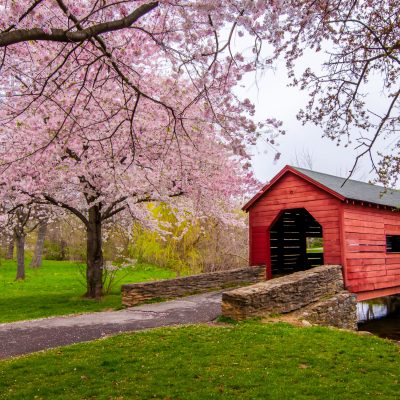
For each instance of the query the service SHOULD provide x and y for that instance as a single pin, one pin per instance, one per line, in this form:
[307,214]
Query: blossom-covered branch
[15,36]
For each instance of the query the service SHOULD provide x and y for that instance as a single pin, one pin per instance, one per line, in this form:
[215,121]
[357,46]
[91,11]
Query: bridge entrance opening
[296,242]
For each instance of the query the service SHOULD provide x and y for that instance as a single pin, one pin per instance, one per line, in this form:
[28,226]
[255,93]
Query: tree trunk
[20,242]
[10,249]
[37,257]
[94,258]
[63,249]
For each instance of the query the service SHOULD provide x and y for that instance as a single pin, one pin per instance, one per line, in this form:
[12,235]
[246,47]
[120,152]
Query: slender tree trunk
[94,260]
[20,242]
[37,257]
[10,249]
[63,249]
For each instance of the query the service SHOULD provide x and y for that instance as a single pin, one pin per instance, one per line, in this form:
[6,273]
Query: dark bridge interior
[296,242]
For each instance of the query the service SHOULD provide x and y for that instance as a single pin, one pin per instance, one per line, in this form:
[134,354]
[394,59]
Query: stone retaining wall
[133,294]
[340,310]
[322,287]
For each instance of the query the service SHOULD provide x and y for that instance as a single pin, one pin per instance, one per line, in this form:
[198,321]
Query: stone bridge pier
[316,295]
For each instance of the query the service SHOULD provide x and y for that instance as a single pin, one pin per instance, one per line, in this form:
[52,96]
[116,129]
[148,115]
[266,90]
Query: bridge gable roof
[338,187]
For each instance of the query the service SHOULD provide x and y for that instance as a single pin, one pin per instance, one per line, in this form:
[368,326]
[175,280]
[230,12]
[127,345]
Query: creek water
[380,317]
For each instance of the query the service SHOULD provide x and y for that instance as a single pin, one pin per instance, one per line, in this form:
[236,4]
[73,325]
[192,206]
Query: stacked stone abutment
[133,294]
[318,295]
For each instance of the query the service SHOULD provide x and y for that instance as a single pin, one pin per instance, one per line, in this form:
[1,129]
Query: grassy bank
[57,287]
[246,361]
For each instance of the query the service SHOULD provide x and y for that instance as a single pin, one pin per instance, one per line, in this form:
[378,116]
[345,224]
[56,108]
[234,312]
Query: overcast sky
[273,98]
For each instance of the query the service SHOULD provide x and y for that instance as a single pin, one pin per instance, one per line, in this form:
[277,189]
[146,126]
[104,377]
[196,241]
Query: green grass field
[57,288]
[244,361]
[315,250]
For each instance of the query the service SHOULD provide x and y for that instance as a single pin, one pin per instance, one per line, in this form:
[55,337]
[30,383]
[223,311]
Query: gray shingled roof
[355,190]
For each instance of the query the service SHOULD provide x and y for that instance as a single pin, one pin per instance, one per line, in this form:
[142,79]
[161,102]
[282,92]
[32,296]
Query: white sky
[273,98]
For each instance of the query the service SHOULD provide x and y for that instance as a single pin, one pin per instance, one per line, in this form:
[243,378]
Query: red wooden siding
[259,239]
[369,269]
[354,234]
[291,191]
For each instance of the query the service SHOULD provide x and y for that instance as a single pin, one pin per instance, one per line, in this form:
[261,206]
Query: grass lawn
[245,361]
[57,288]
[315,250]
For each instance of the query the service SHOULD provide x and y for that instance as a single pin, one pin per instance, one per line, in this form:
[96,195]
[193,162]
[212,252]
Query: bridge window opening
[315,244]
[296,242]
[392,243]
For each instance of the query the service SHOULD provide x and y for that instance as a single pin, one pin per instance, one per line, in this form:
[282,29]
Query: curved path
[29,336]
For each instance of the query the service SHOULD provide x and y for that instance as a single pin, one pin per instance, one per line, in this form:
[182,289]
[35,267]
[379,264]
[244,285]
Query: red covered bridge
[304,218]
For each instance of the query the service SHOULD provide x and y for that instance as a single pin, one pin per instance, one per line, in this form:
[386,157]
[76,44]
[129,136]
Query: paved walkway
[29,336]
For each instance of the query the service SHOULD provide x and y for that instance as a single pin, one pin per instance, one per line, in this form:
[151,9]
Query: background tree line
[191,246]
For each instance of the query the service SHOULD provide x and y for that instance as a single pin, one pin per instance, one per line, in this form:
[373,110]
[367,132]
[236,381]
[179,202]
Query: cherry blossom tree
[47,46]
[107,105]
[98,172]
[36,261]
[19,220]
[355,98]
[8,245]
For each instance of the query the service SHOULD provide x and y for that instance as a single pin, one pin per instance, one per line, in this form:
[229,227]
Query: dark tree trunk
[20,242]
[37,257]
[10,249]
[94,260]
[63,250]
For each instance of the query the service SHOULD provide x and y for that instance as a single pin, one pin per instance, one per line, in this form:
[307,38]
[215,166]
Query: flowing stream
[380,317]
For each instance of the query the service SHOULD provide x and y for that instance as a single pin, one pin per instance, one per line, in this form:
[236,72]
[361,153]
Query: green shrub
[55,251]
